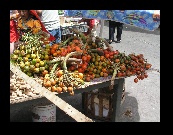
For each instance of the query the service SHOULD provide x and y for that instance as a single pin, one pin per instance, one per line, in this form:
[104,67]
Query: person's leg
[52,32]
[111,31]
[57,34]
[119,31]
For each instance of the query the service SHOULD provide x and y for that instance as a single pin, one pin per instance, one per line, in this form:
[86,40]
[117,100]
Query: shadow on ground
[129,110]
[21,112]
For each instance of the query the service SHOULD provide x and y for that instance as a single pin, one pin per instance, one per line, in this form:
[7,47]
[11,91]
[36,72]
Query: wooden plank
[68,109]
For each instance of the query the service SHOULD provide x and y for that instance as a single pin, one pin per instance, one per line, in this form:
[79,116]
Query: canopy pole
[101,28]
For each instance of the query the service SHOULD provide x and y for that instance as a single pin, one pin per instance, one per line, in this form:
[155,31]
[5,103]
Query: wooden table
[117,90]
[95,84]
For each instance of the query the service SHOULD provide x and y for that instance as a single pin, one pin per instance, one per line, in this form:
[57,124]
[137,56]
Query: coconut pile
[20,90]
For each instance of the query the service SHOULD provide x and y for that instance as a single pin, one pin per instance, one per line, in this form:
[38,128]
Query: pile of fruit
[66,66]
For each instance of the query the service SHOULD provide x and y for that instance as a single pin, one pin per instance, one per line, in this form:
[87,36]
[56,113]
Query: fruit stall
[79,64]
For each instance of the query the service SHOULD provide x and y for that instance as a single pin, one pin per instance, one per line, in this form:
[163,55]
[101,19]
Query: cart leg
[117,96]
[83,101]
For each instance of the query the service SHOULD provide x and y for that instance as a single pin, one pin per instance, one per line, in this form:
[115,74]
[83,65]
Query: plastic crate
[98,104]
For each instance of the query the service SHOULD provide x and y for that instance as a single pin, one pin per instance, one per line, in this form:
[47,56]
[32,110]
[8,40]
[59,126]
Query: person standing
[51,21]
[14,36]
[112,26]
[29,21]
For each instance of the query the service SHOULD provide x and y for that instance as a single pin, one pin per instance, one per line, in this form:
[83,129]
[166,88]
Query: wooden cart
[75,114]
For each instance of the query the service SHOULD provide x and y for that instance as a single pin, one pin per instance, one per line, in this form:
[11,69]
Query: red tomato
[117,60]
[105,51]
[84,66]
[69,49]
[77,48]
[145,75]
[119,74]
[88,58]
[84,58]
[80,65]
[111,53]
[52,51]
[107,55]
[80,70]
[85,63]
[72,68]
[111,57]
[54,46]
[136,80]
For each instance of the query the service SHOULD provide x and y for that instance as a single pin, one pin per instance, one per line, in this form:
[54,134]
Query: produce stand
[72,80]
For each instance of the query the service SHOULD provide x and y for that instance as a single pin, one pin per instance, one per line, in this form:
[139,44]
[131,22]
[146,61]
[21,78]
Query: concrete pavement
[142,98]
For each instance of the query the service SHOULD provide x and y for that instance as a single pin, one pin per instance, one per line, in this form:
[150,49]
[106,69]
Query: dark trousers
[112,26]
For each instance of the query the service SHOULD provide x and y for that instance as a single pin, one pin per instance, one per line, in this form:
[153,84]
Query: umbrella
[145,19]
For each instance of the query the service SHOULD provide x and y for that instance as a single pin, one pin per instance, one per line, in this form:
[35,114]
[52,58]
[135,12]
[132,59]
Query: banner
[145,19]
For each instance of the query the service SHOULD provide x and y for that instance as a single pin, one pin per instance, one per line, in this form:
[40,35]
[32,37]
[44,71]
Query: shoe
[113,41]
[110,41]
[118,41]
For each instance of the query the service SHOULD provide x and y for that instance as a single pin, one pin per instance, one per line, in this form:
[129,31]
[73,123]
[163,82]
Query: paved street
[142,98]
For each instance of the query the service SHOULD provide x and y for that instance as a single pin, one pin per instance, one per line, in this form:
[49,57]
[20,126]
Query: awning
[145,19]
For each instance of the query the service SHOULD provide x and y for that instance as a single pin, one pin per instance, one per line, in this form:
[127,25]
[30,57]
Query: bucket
[44,113]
